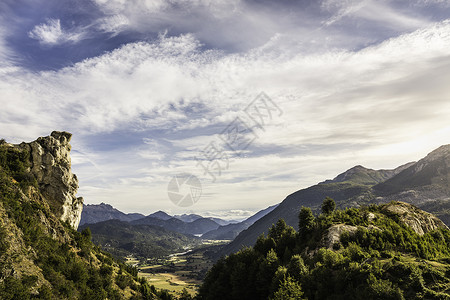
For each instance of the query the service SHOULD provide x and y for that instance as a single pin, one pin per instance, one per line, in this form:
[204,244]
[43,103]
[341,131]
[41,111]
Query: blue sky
[147,86]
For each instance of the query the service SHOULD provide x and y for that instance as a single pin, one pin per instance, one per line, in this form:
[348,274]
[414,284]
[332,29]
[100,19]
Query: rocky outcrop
[333,234]
[51,166]
[418,220]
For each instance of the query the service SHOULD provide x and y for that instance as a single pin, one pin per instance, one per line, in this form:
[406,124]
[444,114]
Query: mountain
[188,218]
[159,215]
[42,256]
[431,173]
[230,231]
[361,175]
[197,227]
[146,241]
[421,183]
[94,213]
[193,217]
[391,251]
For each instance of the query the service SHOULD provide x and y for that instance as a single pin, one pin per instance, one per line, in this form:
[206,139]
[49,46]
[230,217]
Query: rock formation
[51,166]
[418,220]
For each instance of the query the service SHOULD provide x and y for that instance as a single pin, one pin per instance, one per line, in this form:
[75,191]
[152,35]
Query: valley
[373,235]
[178,271]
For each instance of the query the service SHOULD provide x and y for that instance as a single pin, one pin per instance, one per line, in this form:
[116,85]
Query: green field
[176,272]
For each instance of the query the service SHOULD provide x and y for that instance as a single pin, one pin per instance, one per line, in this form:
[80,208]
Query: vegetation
[62,263]
[381,259]
[328,206]
[144,241]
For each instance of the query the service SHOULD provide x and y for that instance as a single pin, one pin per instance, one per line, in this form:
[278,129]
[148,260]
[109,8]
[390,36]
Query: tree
[297,268]
[288,289]
[328,206]
[305,220]
[185,295]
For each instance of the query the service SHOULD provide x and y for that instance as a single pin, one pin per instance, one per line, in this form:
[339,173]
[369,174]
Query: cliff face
[51,166]
[42,257]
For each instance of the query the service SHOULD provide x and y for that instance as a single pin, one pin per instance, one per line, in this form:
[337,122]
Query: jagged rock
[51,166]
[419,221]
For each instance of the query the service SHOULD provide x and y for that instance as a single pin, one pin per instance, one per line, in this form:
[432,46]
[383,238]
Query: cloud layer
[150,106]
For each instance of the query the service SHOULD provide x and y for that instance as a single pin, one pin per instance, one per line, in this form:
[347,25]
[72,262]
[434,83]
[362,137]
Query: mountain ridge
[93,213]
[433,169]
[230,231]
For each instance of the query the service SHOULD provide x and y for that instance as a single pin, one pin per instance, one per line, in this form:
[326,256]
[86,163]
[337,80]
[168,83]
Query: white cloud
[51,33]
[114,24]
[339,105]
[382,12]
[218,7]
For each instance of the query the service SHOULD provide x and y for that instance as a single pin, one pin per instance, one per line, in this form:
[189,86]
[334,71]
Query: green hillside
[145,241]
[392,251]
[42,257]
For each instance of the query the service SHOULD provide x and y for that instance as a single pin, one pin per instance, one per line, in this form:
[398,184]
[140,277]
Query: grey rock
[51,166]
[418,220]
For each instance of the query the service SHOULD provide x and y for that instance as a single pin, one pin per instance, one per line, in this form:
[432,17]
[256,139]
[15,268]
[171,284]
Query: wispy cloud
[51,33]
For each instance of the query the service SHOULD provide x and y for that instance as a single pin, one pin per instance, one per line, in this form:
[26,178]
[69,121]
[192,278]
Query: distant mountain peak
[362,175]
[160,215]
[348,175]
[441,152]
[94,213]
[431,172]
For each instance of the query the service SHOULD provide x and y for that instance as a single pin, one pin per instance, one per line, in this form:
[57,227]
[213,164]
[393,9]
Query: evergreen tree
[288,290]
[328,206]
[305,220]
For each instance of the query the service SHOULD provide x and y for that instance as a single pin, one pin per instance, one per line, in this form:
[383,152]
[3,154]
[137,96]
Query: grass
[176,272]
[171,281]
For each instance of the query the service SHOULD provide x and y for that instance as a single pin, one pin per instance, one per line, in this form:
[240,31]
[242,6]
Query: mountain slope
[431,172]
[94,213]
[288,210]
[197,227]
[230,231]
[393,251]
[123,239]
[188,218]
[418,183]
[41,255]
[361,175]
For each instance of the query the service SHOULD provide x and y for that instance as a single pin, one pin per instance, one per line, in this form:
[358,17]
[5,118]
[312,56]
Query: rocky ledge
[51,166]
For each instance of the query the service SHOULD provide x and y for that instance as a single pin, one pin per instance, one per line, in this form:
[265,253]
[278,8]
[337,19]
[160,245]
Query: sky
[255,99]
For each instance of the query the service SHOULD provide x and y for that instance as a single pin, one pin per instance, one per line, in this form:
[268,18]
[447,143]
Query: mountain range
[189,224]
[425,184]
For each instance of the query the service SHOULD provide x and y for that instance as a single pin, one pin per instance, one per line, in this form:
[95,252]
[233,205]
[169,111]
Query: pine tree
[305,220]
[328,206]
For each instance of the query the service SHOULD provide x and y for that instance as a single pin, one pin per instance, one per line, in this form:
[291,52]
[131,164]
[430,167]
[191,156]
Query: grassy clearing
[175,272]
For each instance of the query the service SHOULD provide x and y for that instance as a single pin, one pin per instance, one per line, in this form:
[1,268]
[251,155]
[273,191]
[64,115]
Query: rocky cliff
[51,166]
[41,255]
